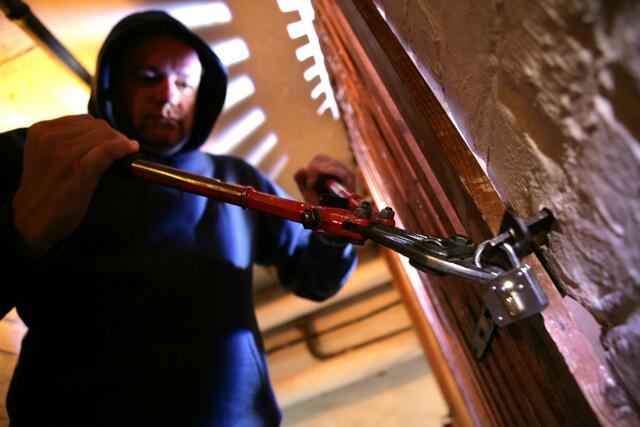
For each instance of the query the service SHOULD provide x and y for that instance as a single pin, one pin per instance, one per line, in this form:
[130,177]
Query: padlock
[514,294]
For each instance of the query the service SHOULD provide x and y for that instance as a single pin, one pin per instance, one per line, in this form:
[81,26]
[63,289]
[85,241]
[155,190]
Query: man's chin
[161,147]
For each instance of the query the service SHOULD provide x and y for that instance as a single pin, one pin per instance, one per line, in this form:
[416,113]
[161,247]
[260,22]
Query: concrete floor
[406,395]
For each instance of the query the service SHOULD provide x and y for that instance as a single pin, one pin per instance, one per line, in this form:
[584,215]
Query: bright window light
[239,89]
[260,151]
[201,14]
[277,169]
[326,105]
[298,29]
[304,27]
[305,52]
[289,5]
[312,72]
[238,131]
[231,51]
[317,91]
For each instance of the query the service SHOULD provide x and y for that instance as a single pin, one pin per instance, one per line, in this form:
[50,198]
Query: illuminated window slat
[238,90]
[317,91]
[298,29]
[304,27]
[304,52]
[231,51]
[312,72]
[262,149]
[237,132]
[278,167]
[201,14]
[289,5]
[326,105]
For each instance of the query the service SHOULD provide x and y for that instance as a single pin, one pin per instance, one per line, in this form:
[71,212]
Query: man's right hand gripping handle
[63,161]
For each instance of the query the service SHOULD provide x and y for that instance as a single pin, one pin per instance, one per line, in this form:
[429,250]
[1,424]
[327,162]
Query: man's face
[159,83]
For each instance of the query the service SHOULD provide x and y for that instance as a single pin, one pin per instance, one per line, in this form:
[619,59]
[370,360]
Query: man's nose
[168,91]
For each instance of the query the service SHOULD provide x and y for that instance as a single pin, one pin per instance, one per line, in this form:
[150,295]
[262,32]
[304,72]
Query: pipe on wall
[285,309]
[20,12]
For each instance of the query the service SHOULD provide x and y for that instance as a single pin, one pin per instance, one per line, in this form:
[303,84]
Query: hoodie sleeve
[19,269]
[13,261]
[310,266]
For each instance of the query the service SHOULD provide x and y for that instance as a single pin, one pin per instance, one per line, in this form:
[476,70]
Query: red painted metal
[335,187]
[323,218]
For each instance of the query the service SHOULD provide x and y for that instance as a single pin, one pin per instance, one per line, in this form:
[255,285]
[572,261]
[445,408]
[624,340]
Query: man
[138,297]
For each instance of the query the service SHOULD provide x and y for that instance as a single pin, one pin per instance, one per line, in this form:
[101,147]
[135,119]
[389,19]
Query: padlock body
[513,295]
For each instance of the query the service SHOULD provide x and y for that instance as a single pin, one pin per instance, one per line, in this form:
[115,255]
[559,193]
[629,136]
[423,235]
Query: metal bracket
[485,328]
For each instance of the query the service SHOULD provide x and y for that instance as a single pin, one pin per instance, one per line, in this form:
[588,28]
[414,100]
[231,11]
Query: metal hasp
[514,293]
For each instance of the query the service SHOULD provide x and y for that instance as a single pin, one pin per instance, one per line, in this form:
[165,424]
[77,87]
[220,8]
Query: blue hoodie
[144,315]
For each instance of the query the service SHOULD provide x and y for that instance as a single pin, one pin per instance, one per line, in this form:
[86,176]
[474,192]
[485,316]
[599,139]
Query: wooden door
[539,371]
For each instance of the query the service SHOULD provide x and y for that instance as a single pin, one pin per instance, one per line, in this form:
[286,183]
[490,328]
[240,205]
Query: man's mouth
[162,120]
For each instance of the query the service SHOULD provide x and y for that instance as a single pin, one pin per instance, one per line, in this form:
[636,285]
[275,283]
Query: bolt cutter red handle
[323,218]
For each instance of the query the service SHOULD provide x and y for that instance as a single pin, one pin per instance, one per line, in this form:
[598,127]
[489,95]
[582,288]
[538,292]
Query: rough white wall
[547,94]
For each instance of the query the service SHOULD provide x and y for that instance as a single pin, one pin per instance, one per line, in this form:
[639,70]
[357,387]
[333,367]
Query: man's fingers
[63,133]
[69,135]
[96,134]
[344,176]
[65,120]
[61,122]
[100,158]
[300,177]
[307,178]
[312,178]
[314,171]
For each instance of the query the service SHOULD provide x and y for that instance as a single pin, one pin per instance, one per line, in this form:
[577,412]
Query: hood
[213,83]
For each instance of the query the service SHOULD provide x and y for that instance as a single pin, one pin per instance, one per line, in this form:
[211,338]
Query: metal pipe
[289,308]
[325,377]
[240,195]
[175,178]
[18,11]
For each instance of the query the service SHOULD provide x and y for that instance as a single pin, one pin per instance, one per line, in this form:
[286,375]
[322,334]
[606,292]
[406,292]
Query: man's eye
[183,84]
[147,75]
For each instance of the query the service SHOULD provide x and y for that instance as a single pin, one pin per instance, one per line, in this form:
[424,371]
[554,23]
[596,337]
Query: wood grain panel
[413,158]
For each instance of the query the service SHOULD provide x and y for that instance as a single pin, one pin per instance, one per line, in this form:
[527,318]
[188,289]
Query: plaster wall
[546,94]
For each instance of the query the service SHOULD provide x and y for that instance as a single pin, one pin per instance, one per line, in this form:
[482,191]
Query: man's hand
[306,178]
[64,159]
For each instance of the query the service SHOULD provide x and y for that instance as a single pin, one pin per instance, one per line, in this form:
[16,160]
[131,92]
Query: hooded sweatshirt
[144,314]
